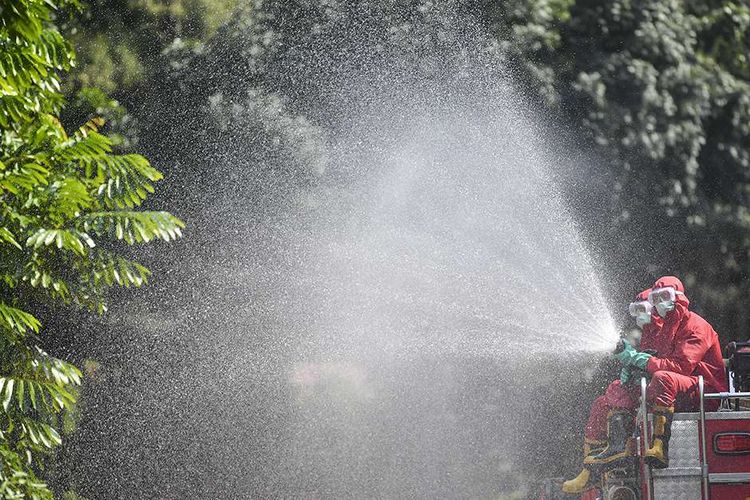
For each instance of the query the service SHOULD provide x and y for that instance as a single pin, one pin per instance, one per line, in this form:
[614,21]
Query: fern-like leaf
[17,323]
[64,239]
[132,226]
[23,177]
[110,269]
[7,236]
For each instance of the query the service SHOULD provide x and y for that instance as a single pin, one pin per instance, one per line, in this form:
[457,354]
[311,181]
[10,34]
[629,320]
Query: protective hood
[680,299]
[680,312]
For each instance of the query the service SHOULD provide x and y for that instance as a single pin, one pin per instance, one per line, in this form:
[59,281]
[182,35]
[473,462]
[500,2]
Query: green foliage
[119,41]
[32,54]
[61,196]
[724,34]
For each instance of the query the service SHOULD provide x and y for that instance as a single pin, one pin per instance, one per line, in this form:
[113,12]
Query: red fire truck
[709,452]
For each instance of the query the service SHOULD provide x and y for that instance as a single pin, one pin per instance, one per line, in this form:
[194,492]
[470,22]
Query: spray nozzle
[620,345]
[632,337]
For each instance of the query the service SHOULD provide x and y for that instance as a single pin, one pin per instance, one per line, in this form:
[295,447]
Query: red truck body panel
[592,494]
[726,463]
[729,491]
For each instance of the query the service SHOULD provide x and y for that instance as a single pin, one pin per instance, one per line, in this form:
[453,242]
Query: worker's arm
[685,357]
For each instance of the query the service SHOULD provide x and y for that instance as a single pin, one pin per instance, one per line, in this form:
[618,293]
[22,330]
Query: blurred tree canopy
[120,41]
[119,45]
[660,90]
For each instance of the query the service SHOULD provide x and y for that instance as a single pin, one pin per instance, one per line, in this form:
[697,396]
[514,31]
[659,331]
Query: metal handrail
[645,440]
[726,395]
[703,458]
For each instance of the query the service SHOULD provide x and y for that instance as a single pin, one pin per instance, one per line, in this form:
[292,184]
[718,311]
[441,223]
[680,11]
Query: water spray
[375,328]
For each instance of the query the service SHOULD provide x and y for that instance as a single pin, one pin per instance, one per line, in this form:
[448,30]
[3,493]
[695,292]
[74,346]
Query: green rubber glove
[629,356]
[625,375]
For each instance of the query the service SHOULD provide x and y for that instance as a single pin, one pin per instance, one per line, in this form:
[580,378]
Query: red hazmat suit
[690,348]
[686,346]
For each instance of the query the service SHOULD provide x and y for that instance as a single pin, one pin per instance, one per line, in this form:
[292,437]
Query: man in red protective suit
[612,413]
[687,347]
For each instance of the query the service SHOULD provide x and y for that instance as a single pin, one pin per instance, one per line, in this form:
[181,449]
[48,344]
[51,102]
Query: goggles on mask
[641,307]
[665,294]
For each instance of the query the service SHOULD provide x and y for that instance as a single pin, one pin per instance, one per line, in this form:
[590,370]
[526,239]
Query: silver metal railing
[726,395]
[702,423]
[645,440]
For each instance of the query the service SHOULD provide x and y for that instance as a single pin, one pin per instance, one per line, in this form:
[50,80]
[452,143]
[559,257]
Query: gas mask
[643,319]
[663,299]
[641,311]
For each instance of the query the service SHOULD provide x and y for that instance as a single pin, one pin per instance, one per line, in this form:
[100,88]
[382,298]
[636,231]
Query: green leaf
[108,269]
[64,239]
[53,185]
[25,177]
[32,394]
[7,237]
[125,180]
[20,394]
[7,393]
[16,320]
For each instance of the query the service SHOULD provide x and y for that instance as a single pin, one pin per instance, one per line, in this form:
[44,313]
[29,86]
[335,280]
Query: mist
[382,291]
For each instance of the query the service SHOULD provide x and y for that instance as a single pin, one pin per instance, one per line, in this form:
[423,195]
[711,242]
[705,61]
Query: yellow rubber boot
[619,442]
[582,480]
[657,456]
[577,484]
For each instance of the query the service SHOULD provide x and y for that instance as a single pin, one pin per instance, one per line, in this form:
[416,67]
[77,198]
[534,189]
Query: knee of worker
[662,378]
[596,427]
[599,407]
[661,388]
[620,396]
